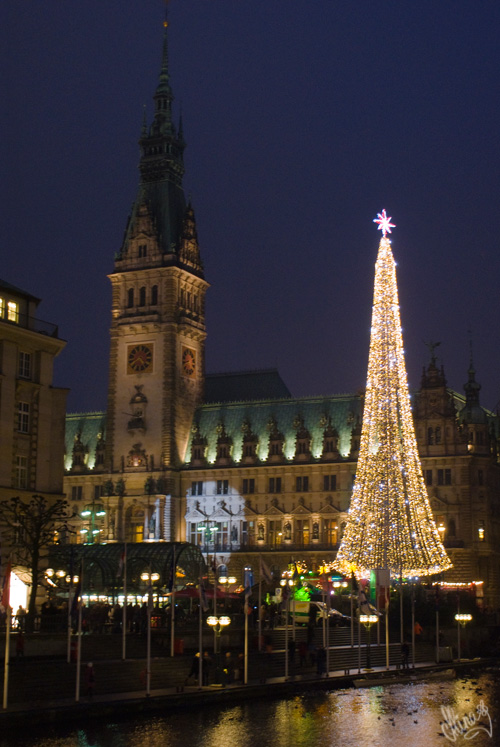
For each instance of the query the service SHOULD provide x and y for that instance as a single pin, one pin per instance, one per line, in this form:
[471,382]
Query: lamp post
[286,583]
[71,581]
[462,620]
[149,577]
[218,624]
[367,621]
[226,581]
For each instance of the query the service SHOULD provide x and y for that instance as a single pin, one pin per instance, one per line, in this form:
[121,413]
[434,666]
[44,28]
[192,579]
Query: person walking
[195,668]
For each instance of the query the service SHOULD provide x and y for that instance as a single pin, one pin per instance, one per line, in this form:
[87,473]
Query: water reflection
[370,717]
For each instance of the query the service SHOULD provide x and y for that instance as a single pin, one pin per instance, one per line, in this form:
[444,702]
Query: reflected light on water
[369,717]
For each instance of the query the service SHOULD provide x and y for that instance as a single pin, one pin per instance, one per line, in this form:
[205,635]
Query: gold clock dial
[188,362]
[139,358]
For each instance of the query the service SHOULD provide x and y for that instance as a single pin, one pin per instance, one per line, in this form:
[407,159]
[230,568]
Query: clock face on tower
[188,362]
[140,358]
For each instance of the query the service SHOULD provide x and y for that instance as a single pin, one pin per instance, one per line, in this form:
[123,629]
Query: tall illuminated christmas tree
[390,523]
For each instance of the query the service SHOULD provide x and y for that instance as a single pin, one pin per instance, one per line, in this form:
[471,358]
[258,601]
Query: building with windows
[233,462]
[32,411]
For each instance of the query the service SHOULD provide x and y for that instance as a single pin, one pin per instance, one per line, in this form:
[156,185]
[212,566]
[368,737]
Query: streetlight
[367,621]
[218,624]
[226,581]
[462,620]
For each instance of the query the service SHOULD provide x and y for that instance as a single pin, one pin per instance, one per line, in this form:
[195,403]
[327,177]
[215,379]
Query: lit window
[2,307]
[23,417]
[480,531]
[25,365]
[21,472]
[12,311]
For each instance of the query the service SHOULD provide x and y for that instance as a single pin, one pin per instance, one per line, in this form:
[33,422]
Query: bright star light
[384,223]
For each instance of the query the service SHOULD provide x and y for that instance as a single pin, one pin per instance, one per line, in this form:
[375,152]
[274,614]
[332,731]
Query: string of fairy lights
[390,522]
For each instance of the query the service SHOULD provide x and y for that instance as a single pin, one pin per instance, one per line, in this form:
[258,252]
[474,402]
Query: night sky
[302,120]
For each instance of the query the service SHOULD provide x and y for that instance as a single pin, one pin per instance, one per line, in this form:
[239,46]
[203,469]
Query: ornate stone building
[32,411]
[232,462]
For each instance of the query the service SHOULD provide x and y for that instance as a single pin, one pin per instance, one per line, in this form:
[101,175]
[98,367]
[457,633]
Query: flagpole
[172,603]
[245,674]
[148,637]
[387,601]
[7,656]
[124,618]
[70,603]
[287,608]
[260,604]
[8,612]
[200,632]
[79,603]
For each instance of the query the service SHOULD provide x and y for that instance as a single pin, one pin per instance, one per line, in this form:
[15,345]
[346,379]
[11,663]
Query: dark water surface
[390,716]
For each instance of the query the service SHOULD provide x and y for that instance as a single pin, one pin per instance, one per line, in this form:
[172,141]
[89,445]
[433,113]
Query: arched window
[142,296]
[154,295]
[130,297]
[437,435]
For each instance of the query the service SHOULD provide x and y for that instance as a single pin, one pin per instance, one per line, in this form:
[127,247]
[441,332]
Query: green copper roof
[343,411]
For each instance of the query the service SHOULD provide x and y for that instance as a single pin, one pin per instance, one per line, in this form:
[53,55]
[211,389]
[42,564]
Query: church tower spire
[158,312]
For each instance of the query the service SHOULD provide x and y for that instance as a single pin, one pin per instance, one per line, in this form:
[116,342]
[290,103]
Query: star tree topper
[384,223]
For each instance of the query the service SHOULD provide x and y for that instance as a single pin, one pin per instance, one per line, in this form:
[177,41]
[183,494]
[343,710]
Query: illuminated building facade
[232,462]
[32,411]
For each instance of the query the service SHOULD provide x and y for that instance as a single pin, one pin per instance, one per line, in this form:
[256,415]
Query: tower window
[130,297]
[154,295]
[142,296]
[143,250]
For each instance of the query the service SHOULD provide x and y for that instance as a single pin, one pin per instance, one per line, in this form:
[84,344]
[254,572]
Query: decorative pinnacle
[384,222]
